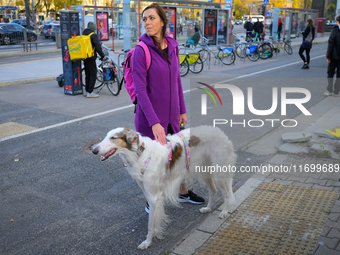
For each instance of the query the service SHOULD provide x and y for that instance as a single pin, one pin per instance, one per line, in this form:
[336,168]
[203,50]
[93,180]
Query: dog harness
[146,163]
[186,148]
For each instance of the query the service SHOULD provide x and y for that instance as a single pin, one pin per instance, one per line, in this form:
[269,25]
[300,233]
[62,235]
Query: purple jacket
[159,91]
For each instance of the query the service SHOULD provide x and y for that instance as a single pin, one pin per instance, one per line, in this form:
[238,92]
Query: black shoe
[147,208]
[305,66]
[191,197]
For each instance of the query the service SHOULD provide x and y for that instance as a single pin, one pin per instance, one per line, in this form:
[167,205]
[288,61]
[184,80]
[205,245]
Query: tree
[59,4]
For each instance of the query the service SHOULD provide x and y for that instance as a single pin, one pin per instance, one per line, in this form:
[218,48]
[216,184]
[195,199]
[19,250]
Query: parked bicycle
[194,60]
[224,54]
[108,73]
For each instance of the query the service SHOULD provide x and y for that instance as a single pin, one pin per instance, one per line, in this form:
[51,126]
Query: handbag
[309,37]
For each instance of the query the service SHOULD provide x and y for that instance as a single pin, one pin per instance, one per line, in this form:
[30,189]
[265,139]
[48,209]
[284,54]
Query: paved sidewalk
[281,213]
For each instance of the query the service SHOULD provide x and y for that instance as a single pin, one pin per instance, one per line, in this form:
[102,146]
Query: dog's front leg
[212,193]
[145,244]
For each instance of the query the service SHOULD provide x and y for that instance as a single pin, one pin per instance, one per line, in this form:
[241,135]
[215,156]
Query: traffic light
[263,12]
[234,13]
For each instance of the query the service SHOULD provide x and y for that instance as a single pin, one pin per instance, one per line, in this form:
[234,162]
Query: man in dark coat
[333,60]
[249,28]
[258,27]
[90,63]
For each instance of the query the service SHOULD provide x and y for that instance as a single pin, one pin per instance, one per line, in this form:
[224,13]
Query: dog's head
[115,141]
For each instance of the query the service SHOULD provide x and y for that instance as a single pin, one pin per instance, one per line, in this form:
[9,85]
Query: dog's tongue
[105,156]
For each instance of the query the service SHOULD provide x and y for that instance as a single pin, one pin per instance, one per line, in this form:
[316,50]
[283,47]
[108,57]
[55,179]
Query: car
[41,28]
[51,31]
[238,22]
[23,23]
[55,27]
[47,29]
[13,33]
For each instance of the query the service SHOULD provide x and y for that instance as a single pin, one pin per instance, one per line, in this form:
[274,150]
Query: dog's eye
[113,138]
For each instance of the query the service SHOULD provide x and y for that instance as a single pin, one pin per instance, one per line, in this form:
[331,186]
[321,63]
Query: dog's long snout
[95,150]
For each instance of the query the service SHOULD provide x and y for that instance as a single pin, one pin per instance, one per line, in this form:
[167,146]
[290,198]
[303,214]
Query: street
[57,198]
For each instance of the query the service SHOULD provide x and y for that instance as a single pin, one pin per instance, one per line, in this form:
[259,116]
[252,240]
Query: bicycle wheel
[227,59]
[116,85]
[240,50]
[184,68]
[204,54]
[99,80]
[196,67]
[288,49]
[265,51]
[254,56]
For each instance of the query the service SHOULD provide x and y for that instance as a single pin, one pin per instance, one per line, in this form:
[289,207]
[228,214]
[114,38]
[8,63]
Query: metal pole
[33,14]
[27,9]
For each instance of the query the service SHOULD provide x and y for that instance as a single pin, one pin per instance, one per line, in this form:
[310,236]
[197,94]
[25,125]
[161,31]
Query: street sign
[265,2]
[118,2]
[269,14]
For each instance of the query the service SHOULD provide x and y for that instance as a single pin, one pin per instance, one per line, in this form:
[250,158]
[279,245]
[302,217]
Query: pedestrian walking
[90,63]
[333,60]
[249,28]
[160,100]
[307,41]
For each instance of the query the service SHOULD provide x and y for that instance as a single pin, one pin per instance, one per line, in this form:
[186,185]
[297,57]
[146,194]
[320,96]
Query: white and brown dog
[160,180]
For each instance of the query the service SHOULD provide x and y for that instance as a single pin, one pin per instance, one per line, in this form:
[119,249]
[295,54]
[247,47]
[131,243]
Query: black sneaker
[147,208]
[191,197]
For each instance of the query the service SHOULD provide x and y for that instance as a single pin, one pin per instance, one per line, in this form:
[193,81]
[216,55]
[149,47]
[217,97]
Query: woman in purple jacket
[160,99]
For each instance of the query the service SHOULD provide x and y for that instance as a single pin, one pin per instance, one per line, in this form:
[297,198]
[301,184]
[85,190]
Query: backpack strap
[147,54]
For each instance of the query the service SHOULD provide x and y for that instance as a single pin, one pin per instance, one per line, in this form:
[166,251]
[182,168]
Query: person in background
[160,100]
[196,37]
[333,60]
[90,63]
[258,27]
[249,28]
[271,28]
[279,29]
[307,46]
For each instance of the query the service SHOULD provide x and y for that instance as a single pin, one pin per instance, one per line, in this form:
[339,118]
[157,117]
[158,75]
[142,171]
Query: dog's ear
[131,136]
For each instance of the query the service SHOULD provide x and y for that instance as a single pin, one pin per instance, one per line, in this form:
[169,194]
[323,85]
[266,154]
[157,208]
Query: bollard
[25,39]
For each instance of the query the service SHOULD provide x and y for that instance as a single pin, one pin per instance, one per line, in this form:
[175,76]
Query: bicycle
[183,64]
[225,55]
[277,45]
[108,73]
[194,60]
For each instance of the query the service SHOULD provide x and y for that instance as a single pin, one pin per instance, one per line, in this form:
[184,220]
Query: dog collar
[186,148]
[146,163]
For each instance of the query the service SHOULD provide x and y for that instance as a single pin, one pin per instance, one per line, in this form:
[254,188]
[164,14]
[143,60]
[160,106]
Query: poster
[171,16]
[210,24]
[102,20]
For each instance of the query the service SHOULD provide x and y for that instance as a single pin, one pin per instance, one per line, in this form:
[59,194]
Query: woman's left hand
[183,117]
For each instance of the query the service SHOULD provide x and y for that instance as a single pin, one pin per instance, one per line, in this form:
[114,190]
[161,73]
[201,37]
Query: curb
[29,53]
[28,81]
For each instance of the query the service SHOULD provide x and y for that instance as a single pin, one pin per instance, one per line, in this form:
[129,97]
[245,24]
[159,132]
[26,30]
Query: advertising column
[69,26]
[210,25]
[171,16]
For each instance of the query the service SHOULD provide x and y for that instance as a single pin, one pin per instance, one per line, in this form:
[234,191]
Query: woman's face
[152,22]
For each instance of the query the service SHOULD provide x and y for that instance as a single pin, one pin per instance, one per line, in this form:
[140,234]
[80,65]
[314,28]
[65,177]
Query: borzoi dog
[160,169]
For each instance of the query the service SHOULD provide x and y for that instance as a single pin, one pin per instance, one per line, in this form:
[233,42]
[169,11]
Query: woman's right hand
[159,133]
[328,61]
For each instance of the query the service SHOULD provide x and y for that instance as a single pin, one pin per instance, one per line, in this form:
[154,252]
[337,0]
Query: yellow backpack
[80,47]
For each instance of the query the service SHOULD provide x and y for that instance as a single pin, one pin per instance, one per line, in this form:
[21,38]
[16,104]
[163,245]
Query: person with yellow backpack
[90,63]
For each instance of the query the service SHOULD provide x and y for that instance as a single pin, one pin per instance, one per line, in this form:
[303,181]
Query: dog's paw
[223,214]
[205,210]
[144,245]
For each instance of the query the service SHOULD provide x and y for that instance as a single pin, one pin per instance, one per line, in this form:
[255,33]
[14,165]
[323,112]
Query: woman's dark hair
[337,18]
[196,29]
[310,22]
[161,13]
